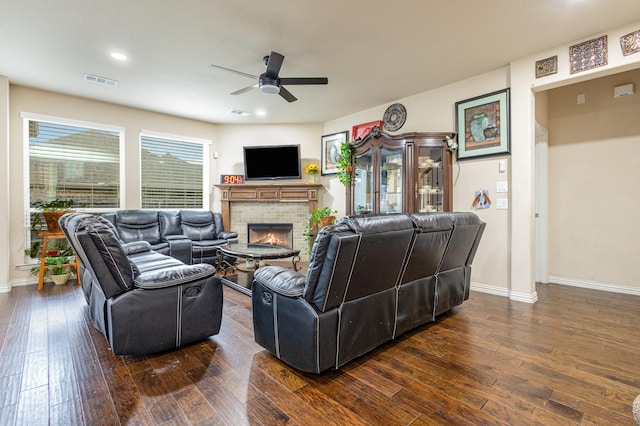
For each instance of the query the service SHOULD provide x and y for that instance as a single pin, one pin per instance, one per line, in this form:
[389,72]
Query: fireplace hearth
[275,234]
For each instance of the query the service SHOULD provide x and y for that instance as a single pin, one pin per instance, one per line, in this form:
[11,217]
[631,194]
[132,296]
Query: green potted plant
[318,218]
[49,212]
[59,268]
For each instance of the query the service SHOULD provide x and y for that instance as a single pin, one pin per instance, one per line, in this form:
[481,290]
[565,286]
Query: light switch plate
[502,203]
[502,186]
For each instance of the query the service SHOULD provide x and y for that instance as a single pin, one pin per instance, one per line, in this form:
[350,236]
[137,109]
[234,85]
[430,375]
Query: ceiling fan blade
[244,74]
[244,90]
[274,64]
[304,80]
[287,95]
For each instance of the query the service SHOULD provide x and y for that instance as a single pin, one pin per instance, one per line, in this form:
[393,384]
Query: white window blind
[171,173]
[72,162]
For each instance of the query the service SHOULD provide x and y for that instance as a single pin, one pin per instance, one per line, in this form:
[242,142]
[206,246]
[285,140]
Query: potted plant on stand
[50,212]
[318,218]
[59,268]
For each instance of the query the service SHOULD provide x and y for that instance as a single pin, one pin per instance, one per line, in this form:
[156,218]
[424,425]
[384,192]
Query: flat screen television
[272,162]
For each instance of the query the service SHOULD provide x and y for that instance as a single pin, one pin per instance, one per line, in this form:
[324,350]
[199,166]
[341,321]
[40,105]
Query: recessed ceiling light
[261,113]
[119,56]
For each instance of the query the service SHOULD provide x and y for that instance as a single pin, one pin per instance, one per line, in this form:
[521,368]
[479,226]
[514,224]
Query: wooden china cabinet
[404,173]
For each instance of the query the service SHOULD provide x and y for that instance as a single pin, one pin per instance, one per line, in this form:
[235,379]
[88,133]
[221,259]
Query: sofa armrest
[224,235]
[173,276]
[283,281]
[136,247]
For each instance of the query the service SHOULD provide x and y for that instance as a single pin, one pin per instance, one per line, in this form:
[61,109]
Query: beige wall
[593,173]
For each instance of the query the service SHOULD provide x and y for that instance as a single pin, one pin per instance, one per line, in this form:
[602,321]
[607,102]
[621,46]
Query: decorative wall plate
[394,117]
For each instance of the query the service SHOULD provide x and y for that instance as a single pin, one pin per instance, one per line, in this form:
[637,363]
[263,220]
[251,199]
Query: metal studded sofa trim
[141,300]
[370,279]
[191,236]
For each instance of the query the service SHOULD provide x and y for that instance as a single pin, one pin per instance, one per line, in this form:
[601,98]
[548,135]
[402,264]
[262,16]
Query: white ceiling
[372,51]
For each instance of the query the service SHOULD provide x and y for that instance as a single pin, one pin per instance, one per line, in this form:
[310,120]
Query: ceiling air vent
[238,112]
[100,80]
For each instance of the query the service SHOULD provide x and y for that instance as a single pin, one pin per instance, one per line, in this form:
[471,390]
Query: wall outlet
[502,203]
[502,186]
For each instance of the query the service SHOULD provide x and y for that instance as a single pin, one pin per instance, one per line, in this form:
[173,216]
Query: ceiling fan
[270,82]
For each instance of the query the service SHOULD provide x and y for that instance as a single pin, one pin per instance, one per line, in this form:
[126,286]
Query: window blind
[70,162]
[171,173]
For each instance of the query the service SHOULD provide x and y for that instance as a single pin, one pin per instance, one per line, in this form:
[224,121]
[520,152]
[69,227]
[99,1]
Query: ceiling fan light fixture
[269,86]
[270,89]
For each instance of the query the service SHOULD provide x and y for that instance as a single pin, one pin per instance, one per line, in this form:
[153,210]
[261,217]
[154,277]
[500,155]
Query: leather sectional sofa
[141,300]
[370,279]
[191,236]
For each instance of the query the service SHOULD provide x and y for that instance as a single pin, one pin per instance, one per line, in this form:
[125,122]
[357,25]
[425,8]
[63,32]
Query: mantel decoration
[312,170]
[482,125]
[345,169]
[330,151]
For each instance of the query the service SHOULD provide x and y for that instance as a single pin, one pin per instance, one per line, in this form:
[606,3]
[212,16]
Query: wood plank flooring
[572,358]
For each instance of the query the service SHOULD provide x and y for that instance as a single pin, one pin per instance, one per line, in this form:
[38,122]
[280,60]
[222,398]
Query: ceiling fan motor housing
[268,85]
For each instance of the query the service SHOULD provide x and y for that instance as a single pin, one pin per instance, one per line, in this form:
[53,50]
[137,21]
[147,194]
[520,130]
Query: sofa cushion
[198,225]
[136,225]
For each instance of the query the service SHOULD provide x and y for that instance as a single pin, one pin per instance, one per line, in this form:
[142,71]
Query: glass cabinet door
[430,180]
[363,183]
[391,173]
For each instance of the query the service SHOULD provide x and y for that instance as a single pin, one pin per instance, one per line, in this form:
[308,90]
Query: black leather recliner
[370,279]
[141,300]
[191,236]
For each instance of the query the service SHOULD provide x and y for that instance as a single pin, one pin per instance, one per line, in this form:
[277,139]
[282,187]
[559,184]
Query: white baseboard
[594,285]
[504,292]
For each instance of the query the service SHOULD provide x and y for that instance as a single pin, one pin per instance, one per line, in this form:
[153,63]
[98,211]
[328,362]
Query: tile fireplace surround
[277,203]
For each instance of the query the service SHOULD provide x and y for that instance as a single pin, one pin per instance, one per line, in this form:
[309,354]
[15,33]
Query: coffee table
[254,256]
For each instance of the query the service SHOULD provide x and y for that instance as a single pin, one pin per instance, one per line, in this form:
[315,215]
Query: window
[173,172]
[70,161]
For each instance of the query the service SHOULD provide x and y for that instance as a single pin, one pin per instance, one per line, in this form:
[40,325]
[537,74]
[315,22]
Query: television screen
[272,162]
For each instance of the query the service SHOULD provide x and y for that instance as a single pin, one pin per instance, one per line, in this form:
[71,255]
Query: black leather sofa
[141,300]
[370,279]
[191,236]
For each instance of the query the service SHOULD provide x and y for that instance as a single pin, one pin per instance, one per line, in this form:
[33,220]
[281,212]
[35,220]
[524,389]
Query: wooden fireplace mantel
[279,193]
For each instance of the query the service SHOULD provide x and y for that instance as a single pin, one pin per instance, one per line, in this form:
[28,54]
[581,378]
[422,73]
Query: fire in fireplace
[275,234]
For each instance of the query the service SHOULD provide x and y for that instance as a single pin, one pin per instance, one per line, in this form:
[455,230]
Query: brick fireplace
[285,203]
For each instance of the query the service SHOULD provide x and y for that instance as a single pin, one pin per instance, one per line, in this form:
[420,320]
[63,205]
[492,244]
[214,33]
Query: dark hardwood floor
[571,358]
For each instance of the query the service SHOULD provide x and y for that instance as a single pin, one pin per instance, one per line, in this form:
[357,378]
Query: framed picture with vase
[482,124]
[330,151]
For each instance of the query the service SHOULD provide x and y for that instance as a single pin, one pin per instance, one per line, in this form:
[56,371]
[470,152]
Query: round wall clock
[394,117]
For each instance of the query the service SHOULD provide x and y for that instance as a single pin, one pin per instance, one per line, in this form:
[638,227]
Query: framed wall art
[330,151]
[361,130]
[482,124]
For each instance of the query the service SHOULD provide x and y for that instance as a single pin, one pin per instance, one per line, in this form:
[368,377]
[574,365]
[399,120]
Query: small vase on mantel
[312,179]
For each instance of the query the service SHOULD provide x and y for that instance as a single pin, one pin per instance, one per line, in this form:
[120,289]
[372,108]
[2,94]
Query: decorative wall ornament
[547,66]
[394,117]
[630,43]
[588,55]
